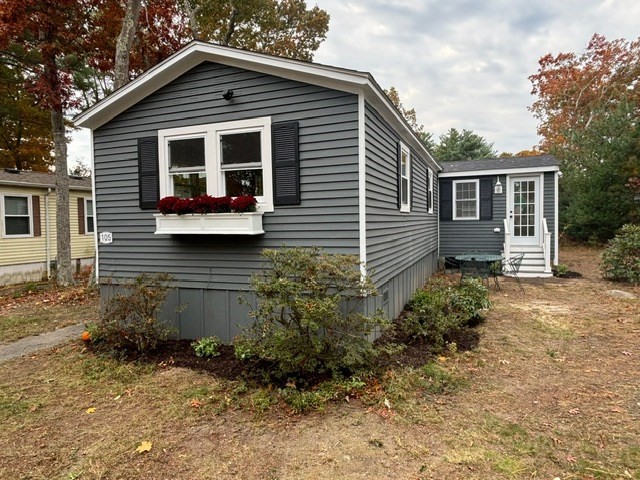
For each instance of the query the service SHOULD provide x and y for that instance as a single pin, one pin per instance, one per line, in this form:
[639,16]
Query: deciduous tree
[411,117]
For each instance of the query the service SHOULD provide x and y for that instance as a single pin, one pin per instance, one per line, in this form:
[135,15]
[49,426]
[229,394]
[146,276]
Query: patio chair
[475,266]
[512,267]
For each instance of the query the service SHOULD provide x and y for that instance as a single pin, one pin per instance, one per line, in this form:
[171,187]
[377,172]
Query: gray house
[330,160]
[505,205]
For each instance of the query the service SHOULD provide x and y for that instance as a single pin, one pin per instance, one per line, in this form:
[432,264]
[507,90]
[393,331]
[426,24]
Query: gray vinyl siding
[398,244]
[549,207]
[212,269]
[459,236]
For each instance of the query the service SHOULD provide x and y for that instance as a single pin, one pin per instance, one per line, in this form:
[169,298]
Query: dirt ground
[552,391]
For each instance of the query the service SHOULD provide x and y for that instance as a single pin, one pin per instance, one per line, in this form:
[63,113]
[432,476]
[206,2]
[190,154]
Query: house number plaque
[106,237]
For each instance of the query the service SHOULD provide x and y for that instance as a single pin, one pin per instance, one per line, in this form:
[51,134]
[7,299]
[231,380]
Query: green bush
[308,319]
[207,346]
[560,270]
[621,258]
[439,311]
[129,320]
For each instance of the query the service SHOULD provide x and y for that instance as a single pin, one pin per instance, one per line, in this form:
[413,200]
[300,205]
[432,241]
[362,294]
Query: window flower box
[246,223]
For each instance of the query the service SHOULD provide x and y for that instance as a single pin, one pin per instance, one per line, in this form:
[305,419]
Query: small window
[88,216]
[405,179]
[465,200]
[17,216]
[430,191]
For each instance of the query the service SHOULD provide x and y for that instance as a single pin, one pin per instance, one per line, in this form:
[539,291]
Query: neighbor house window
[220,159]
[88,216]
[465,200]
[405,179]
[16,211]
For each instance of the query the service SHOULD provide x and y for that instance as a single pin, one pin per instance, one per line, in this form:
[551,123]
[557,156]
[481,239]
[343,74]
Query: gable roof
[489,166]
[196,52]
[26,178]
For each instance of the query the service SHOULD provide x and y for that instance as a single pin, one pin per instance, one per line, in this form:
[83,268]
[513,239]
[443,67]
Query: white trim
[455,200]
[211,134]
[405,207]
[4,218]
[499,171]
[351,81]
[95,217]
[539,207]
[362,186]
[556,194]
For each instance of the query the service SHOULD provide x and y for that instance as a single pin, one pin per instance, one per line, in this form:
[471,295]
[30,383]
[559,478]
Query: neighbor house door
[524,210]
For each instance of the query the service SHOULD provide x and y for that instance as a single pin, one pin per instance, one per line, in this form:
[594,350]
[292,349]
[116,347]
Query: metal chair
[512,267]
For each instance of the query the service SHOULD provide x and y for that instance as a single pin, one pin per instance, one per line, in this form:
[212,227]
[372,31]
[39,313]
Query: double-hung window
[429,190]
[88,216]
[232,158]
[405,179]
[16,210]
[465,200]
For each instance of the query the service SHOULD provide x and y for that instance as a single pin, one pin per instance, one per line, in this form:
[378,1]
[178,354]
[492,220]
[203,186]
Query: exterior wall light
[498,187]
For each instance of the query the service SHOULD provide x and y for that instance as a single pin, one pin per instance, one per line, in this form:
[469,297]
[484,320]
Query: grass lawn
[553,390]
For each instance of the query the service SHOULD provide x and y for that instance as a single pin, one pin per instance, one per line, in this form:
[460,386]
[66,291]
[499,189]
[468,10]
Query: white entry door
[524,210]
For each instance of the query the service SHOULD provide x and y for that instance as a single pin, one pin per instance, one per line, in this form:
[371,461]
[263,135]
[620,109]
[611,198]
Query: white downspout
[47,247]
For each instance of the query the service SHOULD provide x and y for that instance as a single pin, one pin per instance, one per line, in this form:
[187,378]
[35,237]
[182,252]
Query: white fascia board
[198,52]
[499,171]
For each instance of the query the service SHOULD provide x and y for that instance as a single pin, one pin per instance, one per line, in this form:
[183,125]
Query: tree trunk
[64,272]
[124,42]
[192,14]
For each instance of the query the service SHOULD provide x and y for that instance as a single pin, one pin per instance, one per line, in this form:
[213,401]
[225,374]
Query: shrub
[439,311]
[207,346]
[621,258]
[167,204]
[308,318]
[560,270]
[129,320]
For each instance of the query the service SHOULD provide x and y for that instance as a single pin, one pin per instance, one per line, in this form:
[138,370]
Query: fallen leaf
[442,359]
[91,410]
[145,446]
[574,411]
[571,459]
[628,354]
[505,362]
[195,403]
[387,404]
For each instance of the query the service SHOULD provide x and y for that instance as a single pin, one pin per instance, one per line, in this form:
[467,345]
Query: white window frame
[4,218]
[212,152]
[430,189]
[405,207]
[455,199]
[86,217]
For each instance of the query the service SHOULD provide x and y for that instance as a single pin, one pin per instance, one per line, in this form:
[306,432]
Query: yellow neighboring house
[28,224]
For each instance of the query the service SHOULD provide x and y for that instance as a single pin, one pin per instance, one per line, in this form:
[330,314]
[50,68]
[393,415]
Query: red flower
[244,204]
[167,205]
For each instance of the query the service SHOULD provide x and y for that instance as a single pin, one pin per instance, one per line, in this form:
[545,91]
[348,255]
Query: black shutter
[486,199]
[411,181]
[446,200]
[399,173]
[286,163]
[148,180]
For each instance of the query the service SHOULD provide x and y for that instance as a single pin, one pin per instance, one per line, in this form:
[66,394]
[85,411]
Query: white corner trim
[556,194]
[96,264]
[362,185]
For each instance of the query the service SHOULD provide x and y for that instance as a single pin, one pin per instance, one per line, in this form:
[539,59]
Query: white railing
[507,239]
[545,243]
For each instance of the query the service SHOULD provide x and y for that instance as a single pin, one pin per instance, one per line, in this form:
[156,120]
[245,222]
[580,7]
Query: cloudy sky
[462,63]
